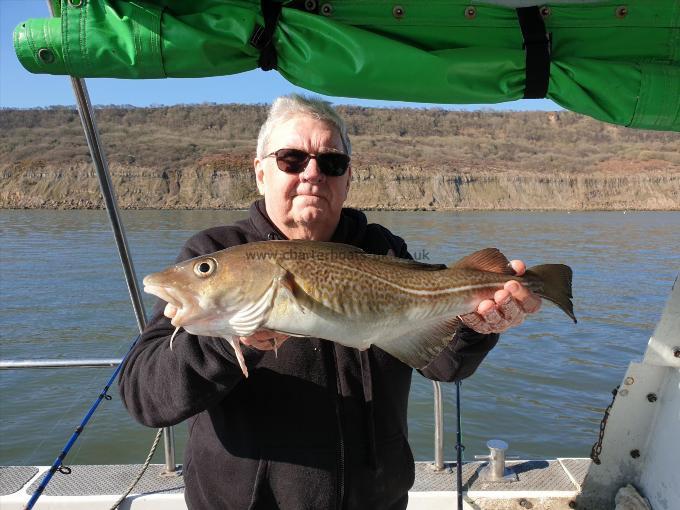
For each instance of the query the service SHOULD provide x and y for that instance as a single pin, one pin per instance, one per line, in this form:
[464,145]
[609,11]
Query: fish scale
[339,293]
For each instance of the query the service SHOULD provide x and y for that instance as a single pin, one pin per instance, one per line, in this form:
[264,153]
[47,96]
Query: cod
[341,293]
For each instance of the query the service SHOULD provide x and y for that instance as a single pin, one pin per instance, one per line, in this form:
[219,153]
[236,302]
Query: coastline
[402,159]
[376,188]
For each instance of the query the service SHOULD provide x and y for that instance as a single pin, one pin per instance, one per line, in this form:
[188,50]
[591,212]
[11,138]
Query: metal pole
[58,363]
[459,450]
[438,427]
[169,446]
[101,165]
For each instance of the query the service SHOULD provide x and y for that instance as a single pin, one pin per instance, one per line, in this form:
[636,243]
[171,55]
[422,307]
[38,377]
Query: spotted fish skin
[340,293]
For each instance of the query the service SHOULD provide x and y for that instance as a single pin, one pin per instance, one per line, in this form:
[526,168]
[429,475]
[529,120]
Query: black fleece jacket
[321,426]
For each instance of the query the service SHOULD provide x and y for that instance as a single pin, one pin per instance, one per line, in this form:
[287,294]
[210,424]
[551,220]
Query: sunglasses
[294,161]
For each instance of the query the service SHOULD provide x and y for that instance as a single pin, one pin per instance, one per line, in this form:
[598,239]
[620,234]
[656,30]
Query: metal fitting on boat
[495,470]
[621,11]
[635,453]
[326,9]
[676,352]
[310,5]
[470,12]
[545,11]
[651,397]
[398,11]
[46,55]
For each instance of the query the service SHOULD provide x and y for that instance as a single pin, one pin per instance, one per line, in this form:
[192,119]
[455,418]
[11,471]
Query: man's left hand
[508,308]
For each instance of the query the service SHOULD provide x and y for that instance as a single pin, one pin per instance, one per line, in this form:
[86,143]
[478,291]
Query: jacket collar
[350,230]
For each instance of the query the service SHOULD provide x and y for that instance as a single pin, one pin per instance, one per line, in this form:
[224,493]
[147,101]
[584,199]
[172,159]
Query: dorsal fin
[488,259]
[337,247]
[406,263]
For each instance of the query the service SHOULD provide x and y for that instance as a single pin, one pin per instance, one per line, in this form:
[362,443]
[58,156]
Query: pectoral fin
[249,319]
[236,344]
[290,290]
[419,346]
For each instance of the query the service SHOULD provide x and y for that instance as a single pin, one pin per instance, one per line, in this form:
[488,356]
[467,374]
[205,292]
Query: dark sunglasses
[294,161]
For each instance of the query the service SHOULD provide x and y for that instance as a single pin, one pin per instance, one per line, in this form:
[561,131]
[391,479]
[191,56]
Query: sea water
[543,389]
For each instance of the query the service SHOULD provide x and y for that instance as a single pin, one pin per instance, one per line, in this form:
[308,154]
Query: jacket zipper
[338,414]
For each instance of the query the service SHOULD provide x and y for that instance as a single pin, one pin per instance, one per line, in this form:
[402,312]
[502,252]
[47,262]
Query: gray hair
[286,107]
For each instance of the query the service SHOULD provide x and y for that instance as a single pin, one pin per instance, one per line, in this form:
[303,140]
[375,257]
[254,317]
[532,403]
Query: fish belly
[309,323]
[361,330]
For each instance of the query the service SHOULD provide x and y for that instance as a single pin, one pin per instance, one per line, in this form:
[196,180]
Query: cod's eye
[205,267]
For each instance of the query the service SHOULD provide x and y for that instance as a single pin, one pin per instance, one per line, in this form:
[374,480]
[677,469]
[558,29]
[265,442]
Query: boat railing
[169,442]
[168,437]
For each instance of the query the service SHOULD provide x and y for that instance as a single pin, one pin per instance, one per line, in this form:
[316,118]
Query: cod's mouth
[171,296]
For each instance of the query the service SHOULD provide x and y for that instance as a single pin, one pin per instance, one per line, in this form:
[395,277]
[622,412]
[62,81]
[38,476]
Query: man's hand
[264,340]
[508,307]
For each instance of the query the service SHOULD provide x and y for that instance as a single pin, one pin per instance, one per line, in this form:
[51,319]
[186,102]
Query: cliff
[200,157]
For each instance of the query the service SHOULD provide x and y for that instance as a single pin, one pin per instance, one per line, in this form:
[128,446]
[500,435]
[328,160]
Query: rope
[58,464]
[142,471]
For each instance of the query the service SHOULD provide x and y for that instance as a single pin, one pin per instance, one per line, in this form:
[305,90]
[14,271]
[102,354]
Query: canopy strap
[262,36]
[537,47]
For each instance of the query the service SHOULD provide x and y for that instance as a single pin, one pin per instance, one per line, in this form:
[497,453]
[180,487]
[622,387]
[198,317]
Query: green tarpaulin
[613,61]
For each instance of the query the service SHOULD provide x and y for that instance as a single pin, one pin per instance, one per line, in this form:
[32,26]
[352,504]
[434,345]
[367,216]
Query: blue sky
[21,89]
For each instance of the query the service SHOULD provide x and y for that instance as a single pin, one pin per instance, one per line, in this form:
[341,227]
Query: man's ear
[259,175]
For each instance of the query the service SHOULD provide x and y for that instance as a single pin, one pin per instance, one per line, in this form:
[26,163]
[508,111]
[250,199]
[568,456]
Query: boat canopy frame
[616,63]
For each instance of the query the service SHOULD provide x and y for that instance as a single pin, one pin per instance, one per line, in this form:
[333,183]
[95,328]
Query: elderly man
[318,425]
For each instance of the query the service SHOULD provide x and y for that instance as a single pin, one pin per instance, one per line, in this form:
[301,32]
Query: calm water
[543,388]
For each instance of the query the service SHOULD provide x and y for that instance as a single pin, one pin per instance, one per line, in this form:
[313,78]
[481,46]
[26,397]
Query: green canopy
[616,62]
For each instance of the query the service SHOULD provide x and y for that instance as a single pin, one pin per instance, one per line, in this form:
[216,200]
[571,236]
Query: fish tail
[556,285]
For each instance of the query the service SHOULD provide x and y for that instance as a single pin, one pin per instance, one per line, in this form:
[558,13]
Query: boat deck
[541,484]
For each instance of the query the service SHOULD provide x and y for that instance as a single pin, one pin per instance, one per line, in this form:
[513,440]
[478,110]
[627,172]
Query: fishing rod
[58,464]
[459,450]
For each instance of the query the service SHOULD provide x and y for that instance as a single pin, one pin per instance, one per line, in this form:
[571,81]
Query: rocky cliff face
[402,159]
[373,187]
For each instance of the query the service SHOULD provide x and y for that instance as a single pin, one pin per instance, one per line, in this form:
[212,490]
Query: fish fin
[291,289]
[249,319]
[236,344]
[319,246]
[406,263]
[556,285]
[173,335]
[419,346]
[488,259]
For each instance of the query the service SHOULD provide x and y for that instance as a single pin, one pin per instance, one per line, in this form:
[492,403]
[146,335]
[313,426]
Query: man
[319,425]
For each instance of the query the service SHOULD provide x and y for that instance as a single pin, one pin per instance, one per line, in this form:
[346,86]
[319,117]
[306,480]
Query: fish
[340,293]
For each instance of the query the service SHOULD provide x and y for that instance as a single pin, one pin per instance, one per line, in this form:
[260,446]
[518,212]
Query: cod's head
[202,289]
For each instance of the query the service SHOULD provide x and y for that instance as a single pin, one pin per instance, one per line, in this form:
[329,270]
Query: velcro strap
[537,49]
[262,36]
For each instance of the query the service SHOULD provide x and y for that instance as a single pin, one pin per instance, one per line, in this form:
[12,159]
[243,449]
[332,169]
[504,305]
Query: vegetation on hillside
[223,137]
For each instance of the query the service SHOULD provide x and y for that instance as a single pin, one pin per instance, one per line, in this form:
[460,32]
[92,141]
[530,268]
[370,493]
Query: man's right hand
[264,340]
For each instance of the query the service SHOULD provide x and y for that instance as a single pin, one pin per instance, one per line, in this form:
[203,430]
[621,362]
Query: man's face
[309,199]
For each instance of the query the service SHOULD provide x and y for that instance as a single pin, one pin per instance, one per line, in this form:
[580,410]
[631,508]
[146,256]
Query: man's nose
[312,173]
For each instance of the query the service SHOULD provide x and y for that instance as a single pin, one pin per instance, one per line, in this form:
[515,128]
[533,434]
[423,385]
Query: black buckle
[261,38]
[537,45]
